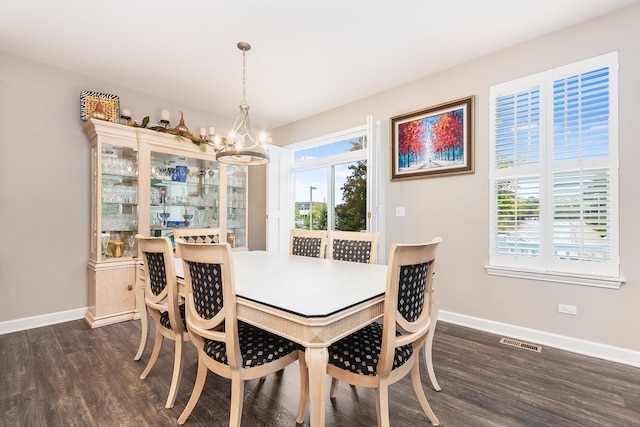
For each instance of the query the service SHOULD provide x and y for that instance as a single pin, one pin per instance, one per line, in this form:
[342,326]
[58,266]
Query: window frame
[546,267]
[329,162]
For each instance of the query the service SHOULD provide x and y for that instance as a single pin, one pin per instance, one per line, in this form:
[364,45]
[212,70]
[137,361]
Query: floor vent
[520,344]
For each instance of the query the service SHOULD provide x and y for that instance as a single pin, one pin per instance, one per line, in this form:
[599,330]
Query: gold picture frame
[434,141]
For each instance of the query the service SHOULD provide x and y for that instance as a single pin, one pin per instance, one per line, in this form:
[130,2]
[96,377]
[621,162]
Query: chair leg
[237,398]
[144,320]
[201,378]
[334,387]
[304,388]
[382,404]
[157,345]
[428,346]
[417,387]
[178,363]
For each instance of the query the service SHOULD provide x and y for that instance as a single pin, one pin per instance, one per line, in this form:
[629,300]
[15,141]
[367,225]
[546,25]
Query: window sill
[573,279]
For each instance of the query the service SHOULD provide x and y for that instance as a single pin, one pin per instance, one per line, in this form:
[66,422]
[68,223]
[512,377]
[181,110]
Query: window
[330,182]
[349,159]
[554,175]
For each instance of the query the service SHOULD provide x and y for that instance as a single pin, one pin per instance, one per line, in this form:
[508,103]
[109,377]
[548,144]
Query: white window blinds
[554,171]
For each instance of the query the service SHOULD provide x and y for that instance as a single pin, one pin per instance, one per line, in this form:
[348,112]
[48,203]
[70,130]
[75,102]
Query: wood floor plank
[71,375]
[15,375]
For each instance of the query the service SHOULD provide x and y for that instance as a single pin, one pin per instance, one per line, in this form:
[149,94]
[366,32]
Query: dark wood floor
[70,375]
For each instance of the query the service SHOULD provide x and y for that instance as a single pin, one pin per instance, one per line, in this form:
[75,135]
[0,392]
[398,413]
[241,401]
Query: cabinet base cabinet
[111,292]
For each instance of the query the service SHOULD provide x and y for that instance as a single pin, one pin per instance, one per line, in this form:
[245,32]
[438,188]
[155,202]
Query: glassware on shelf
[163,217]
[114,165]
[131,242]
[105,245]
[119,222]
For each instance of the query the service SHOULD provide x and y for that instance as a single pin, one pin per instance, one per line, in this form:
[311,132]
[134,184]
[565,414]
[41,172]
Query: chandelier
[242,146]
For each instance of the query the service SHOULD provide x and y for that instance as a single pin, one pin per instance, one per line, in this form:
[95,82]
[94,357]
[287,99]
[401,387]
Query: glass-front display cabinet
[237,206]
[113,223]
[147,182]
[184,193]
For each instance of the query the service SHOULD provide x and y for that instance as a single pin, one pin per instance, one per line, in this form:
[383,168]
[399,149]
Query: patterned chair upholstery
[370,358]
[353,246]
[196,235]
[309,243]
[217,334]
[163,304]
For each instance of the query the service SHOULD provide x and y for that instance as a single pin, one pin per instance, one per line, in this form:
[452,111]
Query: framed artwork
[434,141]
[110,105]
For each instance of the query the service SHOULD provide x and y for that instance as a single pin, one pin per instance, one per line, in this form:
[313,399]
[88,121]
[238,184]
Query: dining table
[312,301]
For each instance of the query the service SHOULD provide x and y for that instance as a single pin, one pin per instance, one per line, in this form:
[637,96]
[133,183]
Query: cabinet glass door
[119,208]
[237,206]
[184,193]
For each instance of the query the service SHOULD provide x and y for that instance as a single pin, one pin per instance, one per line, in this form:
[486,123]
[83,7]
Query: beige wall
[44,168]
[44,182]
[457,209]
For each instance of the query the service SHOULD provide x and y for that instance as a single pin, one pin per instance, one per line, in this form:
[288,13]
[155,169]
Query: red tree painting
[447,135]
[411,141]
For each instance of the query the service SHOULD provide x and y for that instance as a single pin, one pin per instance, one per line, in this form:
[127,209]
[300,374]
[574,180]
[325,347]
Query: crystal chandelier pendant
[243,146]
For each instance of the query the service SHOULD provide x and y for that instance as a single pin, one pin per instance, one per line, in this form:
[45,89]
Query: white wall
[457,209]
[44,183]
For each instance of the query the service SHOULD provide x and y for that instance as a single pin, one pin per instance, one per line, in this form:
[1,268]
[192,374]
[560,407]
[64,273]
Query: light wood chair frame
[179,233]
[167,300]
[414,333]
[201,328]
[357,236]
[318,234]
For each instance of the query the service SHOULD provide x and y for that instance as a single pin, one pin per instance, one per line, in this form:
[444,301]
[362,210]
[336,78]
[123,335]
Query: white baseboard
[42,320]
[574,345]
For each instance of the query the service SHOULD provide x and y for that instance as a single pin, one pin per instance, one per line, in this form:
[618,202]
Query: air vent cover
[515,343]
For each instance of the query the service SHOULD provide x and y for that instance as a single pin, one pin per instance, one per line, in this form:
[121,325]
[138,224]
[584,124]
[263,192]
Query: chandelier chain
[244,77]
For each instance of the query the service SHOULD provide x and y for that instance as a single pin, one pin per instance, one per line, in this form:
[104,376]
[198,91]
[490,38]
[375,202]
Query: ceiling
[306,57]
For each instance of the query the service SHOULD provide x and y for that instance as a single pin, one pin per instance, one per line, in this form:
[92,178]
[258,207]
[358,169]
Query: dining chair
[353,246]
[196,235]
[377,356]
[310,243]
[163,304]
[226,346]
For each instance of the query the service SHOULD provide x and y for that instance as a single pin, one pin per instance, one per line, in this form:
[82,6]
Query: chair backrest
[353,246]
[407,307]
[196,235]
[309,243]
[160,277]
[211,295]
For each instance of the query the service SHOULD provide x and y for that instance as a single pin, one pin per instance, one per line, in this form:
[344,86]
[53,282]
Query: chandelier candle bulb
[212,131]
[164,115]
[203,132]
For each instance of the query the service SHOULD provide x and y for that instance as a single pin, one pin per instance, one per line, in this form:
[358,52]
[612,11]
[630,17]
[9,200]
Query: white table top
[310,287]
